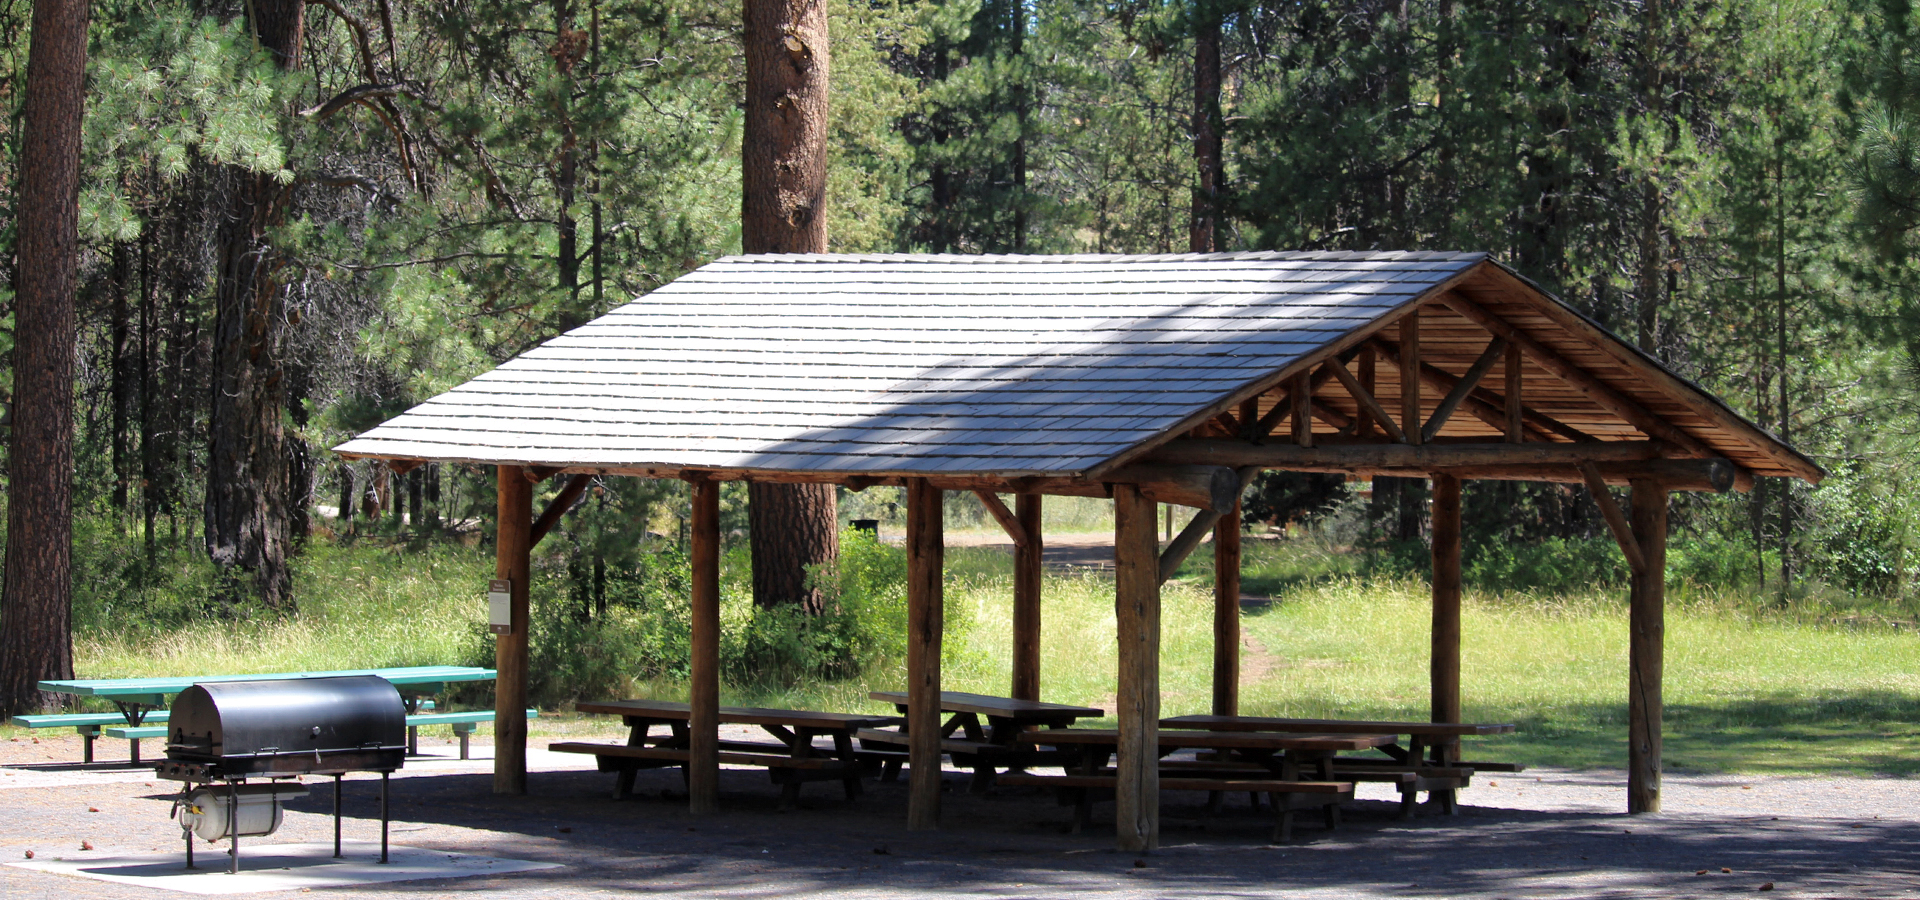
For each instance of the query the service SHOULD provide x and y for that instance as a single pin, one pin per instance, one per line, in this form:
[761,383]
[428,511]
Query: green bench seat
[88,724]
[464,724]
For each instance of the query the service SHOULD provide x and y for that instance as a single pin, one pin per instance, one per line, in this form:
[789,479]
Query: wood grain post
[703,718]
[1410,420]
[1137,615]
[1646,647]
[1026,599]
[1226,614]
[511,545]
[1445,671]
[925,559]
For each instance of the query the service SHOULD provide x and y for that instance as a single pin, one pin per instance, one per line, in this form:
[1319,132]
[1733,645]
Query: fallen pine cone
[1701,872]
[29,854]
[86,845]
[93,809]
[1767,887]
[1725,871]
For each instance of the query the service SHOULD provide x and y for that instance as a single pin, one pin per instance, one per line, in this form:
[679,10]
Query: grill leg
[186,790]
[383,816]
[233,828]
[336,817]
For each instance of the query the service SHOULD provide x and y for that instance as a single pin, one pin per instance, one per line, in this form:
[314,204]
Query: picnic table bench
[1431,754]
[140,700]
[791,759]
[982,748]
[1295,771]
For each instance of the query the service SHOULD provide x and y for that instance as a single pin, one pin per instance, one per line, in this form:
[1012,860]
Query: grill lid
[231,721]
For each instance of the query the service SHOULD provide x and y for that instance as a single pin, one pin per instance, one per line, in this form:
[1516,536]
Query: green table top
[148,687]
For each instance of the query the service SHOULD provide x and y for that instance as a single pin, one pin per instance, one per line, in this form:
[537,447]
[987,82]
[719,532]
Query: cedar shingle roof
[955,365]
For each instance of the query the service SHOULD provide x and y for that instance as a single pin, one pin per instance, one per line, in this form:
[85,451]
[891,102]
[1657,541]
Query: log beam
[1363,397]
[1410,376]
[703,701]
[1026,598]
[1137,615]
[1577,378]
[1189,538]
[1001,514]
[925,615]
[1516,408]
[1216,452]
[1461,390]
[562,502]
[1616,521]
[513,563]
[1646,645]
[1481,405]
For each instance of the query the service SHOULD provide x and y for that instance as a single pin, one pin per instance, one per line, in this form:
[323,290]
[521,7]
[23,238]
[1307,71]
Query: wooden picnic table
[791,762]
[1431,753]
[1294,770]
[983,747]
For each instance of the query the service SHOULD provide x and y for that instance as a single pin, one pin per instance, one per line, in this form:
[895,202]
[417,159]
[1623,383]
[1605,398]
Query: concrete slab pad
[279,867]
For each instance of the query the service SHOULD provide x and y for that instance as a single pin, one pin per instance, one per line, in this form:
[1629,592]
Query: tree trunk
[784,185]
[248,528]
[36,599]
[1202,235]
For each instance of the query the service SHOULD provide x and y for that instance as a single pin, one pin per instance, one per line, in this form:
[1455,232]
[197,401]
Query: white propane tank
[205,810]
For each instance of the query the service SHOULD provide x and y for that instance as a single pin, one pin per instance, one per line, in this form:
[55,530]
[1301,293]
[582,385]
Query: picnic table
[790,762]
[1295,771]
[137,699]
[1431,753]
[983,747]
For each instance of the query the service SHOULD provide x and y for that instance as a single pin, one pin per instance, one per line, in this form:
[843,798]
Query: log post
[703,718]
[1137,614]
[1646,647]
[1445,671]
[1026,599]
[1410,376]
[511,545]
[1226,614]
[925,558]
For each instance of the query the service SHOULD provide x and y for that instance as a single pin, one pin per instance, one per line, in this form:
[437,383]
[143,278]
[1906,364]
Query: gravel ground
[1544,833]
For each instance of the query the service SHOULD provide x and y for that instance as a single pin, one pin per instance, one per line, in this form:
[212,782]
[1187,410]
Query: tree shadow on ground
[1012,843]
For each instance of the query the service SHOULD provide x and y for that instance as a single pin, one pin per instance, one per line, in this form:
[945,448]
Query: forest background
[1727,183]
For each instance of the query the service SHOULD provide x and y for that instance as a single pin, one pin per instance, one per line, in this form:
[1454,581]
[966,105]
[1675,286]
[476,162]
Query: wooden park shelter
[1149,379]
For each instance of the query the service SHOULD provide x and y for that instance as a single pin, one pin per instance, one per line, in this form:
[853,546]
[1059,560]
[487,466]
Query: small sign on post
[500,606]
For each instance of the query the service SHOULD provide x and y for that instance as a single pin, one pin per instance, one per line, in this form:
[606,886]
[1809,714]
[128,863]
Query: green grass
[1745,691]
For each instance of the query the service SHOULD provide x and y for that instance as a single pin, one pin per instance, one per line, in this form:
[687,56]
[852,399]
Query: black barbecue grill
[226,732]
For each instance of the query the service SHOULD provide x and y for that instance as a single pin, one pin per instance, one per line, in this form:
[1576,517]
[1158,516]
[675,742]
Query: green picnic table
[137,698]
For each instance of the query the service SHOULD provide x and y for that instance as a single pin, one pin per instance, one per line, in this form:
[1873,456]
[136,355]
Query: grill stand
[233,819]
[336,815]
[233,828]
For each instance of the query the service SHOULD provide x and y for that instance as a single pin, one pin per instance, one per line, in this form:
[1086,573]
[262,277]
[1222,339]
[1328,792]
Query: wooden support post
[925,560]
[1646,647]
[1226,614]
[1302,400]
[1366,362]
[1026,599]
[703,719]
[511,545]
[1445,671]
[1137,611]
[1516,411]
[1410,376]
